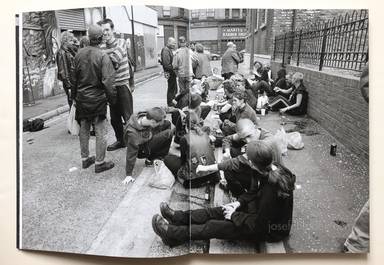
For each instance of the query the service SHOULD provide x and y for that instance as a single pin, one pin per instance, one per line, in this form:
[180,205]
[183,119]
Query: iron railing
[338,43]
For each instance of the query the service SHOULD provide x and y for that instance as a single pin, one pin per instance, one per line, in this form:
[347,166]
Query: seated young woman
[264,213]
[297,102]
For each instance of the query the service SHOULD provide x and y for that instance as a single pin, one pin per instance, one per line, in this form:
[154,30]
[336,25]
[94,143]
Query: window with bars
[263,18]
[235,13]
[244,12]
[181,12]
[211,13]
[195,13]
[203,14]
[226,13]
[166,11]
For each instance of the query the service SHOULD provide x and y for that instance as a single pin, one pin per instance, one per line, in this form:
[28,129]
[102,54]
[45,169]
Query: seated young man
[240,110]
[263,213]
[147,135]
[235,144]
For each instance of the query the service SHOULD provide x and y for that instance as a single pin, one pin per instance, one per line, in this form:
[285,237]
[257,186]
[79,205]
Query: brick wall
[336,103]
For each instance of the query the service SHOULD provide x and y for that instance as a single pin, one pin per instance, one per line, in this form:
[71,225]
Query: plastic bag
[295,141]
[282,141]
[72,124]
[163,177]
[214,82]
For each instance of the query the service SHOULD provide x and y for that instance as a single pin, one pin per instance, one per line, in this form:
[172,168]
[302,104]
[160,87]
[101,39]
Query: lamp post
[252,28]
[133,37]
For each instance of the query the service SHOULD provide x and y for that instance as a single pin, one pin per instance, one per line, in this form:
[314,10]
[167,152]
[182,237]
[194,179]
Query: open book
[143,136]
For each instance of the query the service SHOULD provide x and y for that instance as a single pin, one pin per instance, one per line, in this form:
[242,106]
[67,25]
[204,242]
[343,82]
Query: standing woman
[298,99]
[203,67]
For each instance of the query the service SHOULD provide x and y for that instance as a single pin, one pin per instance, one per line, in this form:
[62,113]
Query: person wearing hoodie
[146,135]
[264,213]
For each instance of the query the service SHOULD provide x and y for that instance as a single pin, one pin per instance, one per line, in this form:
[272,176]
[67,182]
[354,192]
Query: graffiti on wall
[40,45]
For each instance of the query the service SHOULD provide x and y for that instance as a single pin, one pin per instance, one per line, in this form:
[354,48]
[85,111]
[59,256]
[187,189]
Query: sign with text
[233,33]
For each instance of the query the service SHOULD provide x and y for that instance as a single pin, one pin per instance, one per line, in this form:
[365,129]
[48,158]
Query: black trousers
[158,146]
[123,109]
[172,88]
[203,224]
[69,96]
[227,76]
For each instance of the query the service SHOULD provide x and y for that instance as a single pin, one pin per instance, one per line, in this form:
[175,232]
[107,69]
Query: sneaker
[88,162]
[148,162]
[104,166]
[116,145]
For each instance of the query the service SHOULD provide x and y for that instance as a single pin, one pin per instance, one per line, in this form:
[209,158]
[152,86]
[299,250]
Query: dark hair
[194,101]
[229,85]
[261,154]
[106,21]
[284,179]
[281,73]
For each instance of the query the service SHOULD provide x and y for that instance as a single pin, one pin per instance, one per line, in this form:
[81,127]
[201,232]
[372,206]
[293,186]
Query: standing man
[93,87]
[182,64]
[230,61]
[117,51]
[65,63]
[166,61]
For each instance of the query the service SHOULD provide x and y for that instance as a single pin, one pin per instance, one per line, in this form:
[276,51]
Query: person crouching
[146,135]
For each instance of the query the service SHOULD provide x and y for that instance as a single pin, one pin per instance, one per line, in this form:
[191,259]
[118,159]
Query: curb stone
[56,112]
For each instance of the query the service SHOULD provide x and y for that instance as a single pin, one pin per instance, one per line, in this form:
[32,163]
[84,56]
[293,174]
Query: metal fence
[339,43]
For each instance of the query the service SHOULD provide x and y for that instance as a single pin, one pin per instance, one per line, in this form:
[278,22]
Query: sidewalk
[55,105]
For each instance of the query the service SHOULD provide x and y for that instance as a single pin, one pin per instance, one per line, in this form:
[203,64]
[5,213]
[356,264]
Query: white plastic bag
[163,177]
[72,124]
[294,141]
[282,141]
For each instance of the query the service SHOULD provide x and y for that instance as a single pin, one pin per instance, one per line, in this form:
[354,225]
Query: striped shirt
[117,51]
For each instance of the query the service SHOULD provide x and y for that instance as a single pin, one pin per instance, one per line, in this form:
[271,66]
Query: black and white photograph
[160,131]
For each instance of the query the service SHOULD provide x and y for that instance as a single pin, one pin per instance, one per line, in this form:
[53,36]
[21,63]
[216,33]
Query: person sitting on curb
[264,213]
[298,99]
[235,144]
[147,135]
[240,110]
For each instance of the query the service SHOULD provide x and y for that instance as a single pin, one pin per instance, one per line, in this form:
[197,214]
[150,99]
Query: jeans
[123,109]
[184,84]
[172,88]
[358,240]
[101,137]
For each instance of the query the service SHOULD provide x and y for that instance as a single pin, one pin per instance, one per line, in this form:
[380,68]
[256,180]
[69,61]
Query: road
[66,208]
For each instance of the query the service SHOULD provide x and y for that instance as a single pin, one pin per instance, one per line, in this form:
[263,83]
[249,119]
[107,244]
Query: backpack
[33,126]
[201,153]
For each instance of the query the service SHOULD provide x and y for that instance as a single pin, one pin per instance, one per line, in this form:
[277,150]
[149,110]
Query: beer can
[333,149]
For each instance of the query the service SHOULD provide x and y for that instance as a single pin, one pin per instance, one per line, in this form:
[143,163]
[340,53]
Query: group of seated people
[254,173]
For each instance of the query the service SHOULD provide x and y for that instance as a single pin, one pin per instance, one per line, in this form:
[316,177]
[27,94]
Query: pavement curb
[56,112]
